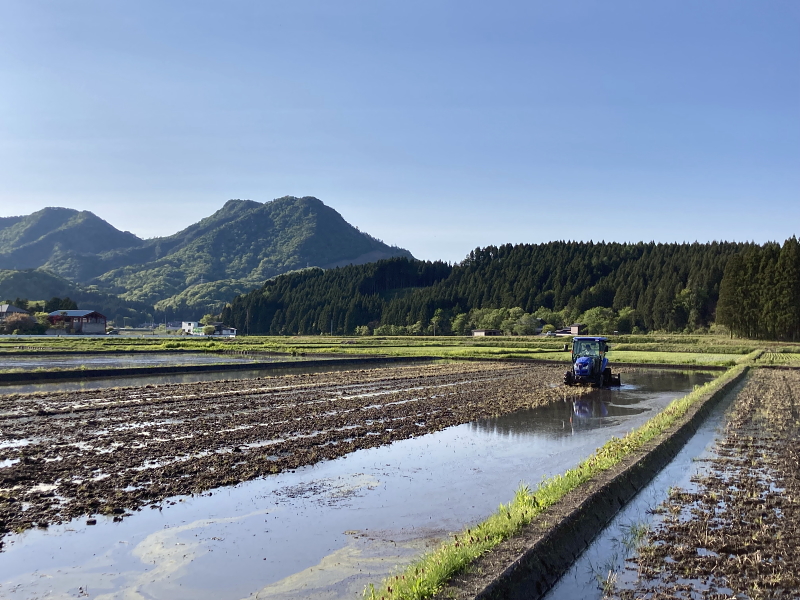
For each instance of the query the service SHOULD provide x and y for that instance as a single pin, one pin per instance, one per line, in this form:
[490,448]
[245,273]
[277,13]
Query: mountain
[60,235]
[198,269]
[248,242]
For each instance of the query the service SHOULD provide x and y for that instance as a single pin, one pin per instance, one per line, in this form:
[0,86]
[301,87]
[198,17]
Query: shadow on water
[327,530]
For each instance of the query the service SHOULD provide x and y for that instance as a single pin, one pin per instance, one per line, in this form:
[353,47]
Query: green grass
[707,350]
[428,575]
[779,358]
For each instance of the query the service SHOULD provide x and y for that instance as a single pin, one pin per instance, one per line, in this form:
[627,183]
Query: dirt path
[64,455]
[738,532]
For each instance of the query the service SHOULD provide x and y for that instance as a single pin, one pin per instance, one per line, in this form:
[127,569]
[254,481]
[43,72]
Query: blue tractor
[589,363]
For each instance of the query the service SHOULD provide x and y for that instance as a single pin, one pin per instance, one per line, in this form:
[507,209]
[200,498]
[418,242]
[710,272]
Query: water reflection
[328,530]
[589,408]
[641,392]
[137,380]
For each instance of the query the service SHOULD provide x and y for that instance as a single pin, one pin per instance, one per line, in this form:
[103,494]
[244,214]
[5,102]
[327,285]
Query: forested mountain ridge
[612,286]
[34,240]
[249,242]
[233,250]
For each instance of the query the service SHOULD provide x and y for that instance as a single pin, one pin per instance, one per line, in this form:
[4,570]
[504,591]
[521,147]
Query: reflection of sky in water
[100,383]
[118,360]
[326,530]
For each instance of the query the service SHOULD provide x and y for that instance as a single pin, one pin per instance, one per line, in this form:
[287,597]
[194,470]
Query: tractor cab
[589,363]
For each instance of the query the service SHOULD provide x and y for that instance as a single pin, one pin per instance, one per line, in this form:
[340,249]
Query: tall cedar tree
[760,292]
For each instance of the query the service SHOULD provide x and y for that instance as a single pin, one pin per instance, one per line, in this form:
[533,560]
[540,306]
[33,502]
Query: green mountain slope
[248,242]
[34,240]
[195,270]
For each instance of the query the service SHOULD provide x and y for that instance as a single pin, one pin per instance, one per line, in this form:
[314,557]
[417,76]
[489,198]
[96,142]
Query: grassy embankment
[530,347]
[705,350]
[428,575]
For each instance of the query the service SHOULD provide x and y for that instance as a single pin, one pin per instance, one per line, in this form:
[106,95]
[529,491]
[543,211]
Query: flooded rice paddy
[277,369]
[323,530]
[720,521]
[107,360]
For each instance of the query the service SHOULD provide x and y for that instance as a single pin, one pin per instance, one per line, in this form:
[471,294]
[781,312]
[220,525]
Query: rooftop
[10,308]
[72,313]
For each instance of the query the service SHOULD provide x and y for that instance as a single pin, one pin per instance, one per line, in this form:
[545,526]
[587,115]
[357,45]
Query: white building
[190,326]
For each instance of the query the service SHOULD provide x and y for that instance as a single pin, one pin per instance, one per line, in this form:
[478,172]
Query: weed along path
[282,487]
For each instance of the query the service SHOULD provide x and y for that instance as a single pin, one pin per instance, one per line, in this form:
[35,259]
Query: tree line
[760,292]
[611,286]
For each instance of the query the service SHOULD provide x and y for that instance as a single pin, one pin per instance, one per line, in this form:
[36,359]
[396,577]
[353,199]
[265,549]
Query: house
[190,326]
[221,329]
[574,329]
[77,321]
[485,332]
[6,310]
[227,331]
[577,329]
[196,328]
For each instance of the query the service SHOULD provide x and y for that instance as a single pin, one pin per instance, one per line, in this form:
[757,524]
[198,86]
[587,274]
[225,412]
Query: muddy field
[735,534]
[64,455]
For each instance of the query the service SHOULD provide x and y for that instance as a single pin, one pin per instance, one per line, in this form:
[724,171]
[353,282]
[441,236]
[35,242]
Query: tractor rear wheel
[607,376]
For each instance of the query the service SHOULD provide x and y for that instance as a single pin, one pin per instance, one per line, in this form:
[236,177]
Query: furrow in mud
[68,454]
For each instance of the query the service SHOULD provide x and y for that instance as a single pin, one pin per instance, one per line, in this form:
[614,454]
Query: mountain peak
[242,244]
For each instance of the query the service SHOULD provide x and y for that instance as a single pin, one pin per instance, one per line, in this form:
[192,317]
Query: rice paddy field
[113,452]
[734,533]
[711,350]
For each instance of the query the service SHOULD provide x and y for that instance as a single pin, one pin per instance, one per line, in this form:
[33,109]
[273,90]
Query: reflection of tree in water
[543,419]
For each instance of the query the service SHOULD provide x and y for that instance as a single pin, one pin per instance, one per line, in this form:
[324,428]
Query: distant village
[19,317]
[69,320]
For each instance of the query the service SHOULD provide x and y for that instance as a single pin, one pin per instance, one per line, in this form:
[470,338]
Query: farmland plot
[64,455]
[735,532]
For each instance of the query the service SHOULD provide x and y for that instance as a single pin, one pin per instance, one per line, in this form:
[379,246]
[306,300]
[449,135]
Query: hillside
[39,284]
[197,269]
[608,286]
[60,236]
[247,242]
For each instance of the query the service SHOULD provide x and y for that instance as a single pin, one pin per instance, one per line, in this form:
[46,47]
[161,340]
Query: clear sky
[438,126]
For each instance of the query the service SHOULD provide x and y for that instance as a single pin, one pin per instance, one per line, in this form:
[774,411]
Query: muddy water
[100,361]
[134,380]
[606,558]
[326,531]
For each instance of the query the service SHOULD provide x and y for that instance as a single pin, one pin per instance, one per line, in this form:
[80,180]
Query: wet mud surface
[734,532]
[112,451]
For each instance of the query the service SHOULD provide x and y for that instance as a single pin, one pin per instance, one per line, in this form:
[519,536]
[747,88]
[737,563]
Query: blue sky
[436,126]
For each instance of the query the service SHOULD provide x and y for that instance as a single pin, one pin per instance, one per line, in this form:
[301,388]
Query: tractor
[589,363]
